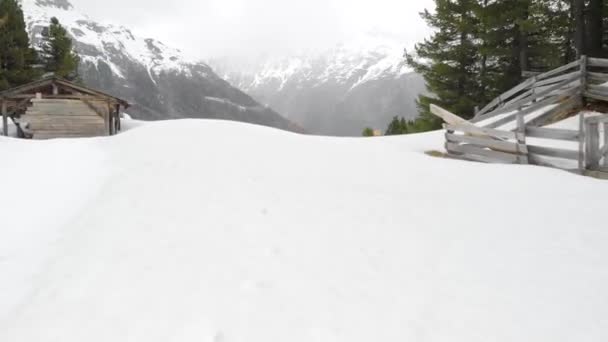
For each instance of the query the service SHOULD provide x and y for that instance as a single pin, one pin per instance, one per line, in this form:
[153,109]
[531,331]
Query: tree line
[20,63]
[482,48]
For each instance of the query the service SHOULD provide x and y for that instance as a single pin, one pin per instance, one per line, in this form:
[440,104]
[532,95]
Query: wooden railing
[489,146]
[553,96]
[563,86]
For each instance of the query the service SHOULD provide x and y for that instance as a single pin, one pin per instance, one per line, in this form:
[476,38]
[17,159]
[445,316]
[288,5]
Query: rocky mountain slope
[363,83]
[157,79]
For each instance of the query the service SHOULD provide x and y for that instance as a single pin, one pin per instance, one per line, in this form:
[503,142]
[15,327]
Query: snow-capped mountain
[362,83]
[157,79]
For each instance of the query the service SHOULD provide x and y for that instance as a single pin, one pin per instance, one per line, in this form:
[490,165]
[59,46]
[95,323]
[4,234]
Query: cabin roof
[25,89]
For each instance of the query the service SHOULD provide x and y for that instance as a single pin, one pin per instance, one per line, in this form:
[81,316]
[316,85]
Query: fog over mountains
[340,91]
[157,79]
[362,83]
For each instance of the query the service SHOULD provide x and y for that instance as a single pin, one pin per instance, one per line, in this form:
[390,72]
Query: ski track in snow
[201,230]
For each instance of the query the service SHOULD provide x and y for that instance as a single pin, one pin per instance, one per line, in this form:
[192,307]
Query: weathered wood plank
[54,135]
[598,89]
[4,119]
[519,98]
[486,131]
[448,116]
[42,117]
[597,62]
[595,96]
[597,77]
[604,152]
[552,152]
[78,112]
[581,141]
[539,160]
[528,100]
[71,128]
[503,98]
[61,96]
[552,133]
[597,119]
[498,145]
[533,108]
[453,119]
[559,70]
[592,154]
[572,75]
[558,113]
[521,129]
[491,155]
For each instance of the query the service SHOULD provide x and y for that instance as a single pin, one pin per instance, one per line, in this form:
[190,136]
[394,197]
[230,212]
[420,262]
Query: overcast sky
[218,28]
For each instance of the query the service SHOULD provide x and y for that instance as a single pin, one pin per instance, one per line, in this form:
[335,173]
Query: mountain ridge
[361,83]
[157,79]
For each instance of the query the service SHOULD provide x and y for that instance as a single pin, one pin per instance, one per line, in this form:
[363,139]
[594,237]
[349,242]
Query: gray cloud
[211,28]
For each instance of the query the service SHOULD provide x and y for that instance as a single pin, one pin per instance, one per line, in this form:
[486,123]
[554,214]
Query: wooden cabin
[56,108]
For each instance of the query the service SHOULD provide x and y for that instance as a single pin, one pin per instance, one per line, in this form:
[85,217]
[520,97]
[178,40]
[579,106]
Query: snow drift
[217,231]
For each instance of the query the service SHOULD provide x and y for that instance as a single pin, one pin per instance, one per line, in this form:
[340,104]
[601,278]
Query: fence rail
[542,99]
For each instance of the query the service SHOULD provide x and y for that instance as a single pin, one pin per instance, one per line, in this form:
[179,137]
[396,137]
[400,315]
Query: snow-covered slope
[361,83]
[263,235]
[156,78]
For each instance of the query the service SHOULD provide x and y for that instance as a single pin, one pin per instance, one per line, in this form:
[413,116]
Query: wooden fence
[543,99]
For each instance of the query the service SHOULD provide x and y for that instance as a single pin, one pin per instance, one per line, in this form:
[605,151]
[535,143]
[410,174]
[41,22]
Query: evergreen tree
[501,36]
[595,28]
[58,54]
[449,60]
[368,132]
[17,58]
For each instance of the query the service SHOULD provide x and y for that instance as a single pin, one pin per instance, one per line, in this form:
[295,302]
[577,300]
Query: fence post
[4,119]
[447,132]
[584,63]
[605,165]
[521,138]
[581,142]
[593,144]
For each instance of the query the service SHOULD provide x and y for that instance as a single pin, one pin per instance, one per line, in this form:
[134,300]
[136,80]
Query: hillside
[363,82]
[264,235]
[157,79]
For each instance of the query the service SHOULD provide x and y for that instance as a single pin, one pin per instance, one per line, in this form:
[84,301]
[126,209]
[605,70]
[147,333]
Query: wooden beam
[584,81]
[593,146]
[4,119]
[553,152]
[605,148]
[534,96]
[503,97]
[598,62]
[118,119]
[557,79]
[502,146]
[536,106]
[597,76]
[552,133]
[581,141]
[472,130]
[558,70]
[558,113]
[27,87]
[521,129]
[594,96]
[91,92]
[456,121]
[490,156]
